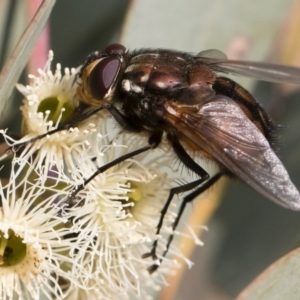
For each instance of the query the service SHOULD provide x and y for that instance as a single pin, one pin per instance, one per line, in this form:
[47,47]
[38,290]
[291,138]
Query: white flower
[33,247]
[116,218]
[49,100]
[86,294]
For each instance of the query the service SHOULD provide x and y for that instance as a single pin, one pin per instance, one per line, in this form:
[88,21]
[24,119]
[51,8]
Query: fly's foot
[152,253]
[72,200]
[152,268]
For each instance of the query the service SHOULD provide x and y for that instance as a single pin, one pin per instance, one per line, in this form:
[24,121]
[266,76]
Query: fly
[181,95]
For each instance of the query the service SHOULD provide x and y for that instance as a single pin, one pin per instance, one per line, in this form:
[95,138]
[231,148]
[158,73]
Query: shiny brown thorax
[153,79]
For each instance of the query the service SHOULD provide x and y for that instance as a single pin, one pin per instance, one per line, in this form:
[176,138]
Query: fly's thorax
[153,79]
[154,72]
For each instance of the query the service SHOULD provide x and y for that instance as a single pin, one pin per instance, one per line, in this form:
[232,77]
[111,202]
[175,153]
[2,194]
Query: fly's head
[100,74]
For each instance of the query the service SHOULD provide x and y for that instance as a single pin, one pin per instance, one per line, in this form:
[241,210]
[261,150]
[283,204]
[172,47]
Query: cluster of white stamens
[92,242]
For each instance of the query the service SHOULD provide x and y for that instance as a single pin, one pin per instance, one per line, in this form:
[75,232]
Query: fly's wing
[213,54]
[222,129]
[261,71]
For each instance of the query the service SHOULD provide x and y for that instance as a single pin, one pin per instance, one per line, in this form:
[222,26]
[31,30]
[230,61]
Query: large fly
[181,95]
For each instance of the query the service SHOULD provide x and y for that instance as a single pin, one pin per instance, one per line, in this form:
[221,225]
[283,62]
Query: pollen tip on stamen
[8,152]
[157,288]
[198,242]
[50,55]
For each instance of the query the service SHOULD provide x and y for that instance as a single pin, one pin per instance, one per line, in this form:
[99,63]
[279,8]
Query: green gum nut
[55,106]
[12,249]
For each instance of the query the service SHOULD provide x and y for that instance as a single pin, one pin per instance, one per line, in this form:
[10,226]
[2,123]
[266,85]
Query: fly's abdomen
[252,109]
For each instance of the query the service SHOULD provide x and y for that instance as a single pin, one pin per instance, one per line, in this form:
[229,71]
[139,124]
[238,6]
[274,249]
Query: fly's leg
[125,123]
[65,126]
[153,141]
[190,164]
[190,197]
[173,191]
[77,118]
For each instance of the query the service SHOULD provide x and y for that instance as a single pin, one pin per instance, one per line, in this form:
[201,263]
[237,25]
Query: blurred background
[246,232]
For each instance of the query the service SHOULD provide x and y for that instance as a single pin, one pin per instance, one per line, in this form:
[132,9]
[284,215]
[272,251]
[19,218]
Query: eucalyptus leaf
[278,282]
[19,57]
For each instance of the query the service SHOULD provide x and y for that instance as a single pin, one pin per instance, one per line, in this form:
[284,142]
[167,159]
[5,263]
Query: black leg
[172,193]
[190,197]
[153,142]
[185,157]
[64,126]
[77,118]
[123,121]
[192,165]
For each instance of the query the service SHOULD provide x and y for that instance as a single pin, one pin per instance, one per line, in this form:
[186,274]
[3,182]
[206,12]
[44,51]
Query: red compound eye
[102,76]
[116,48]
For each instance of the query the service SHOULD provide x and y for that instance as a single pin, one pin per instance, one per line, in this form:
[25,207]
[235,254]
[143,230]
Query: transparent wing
[213,53]
[258,70]
[18,59]
[222,129]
